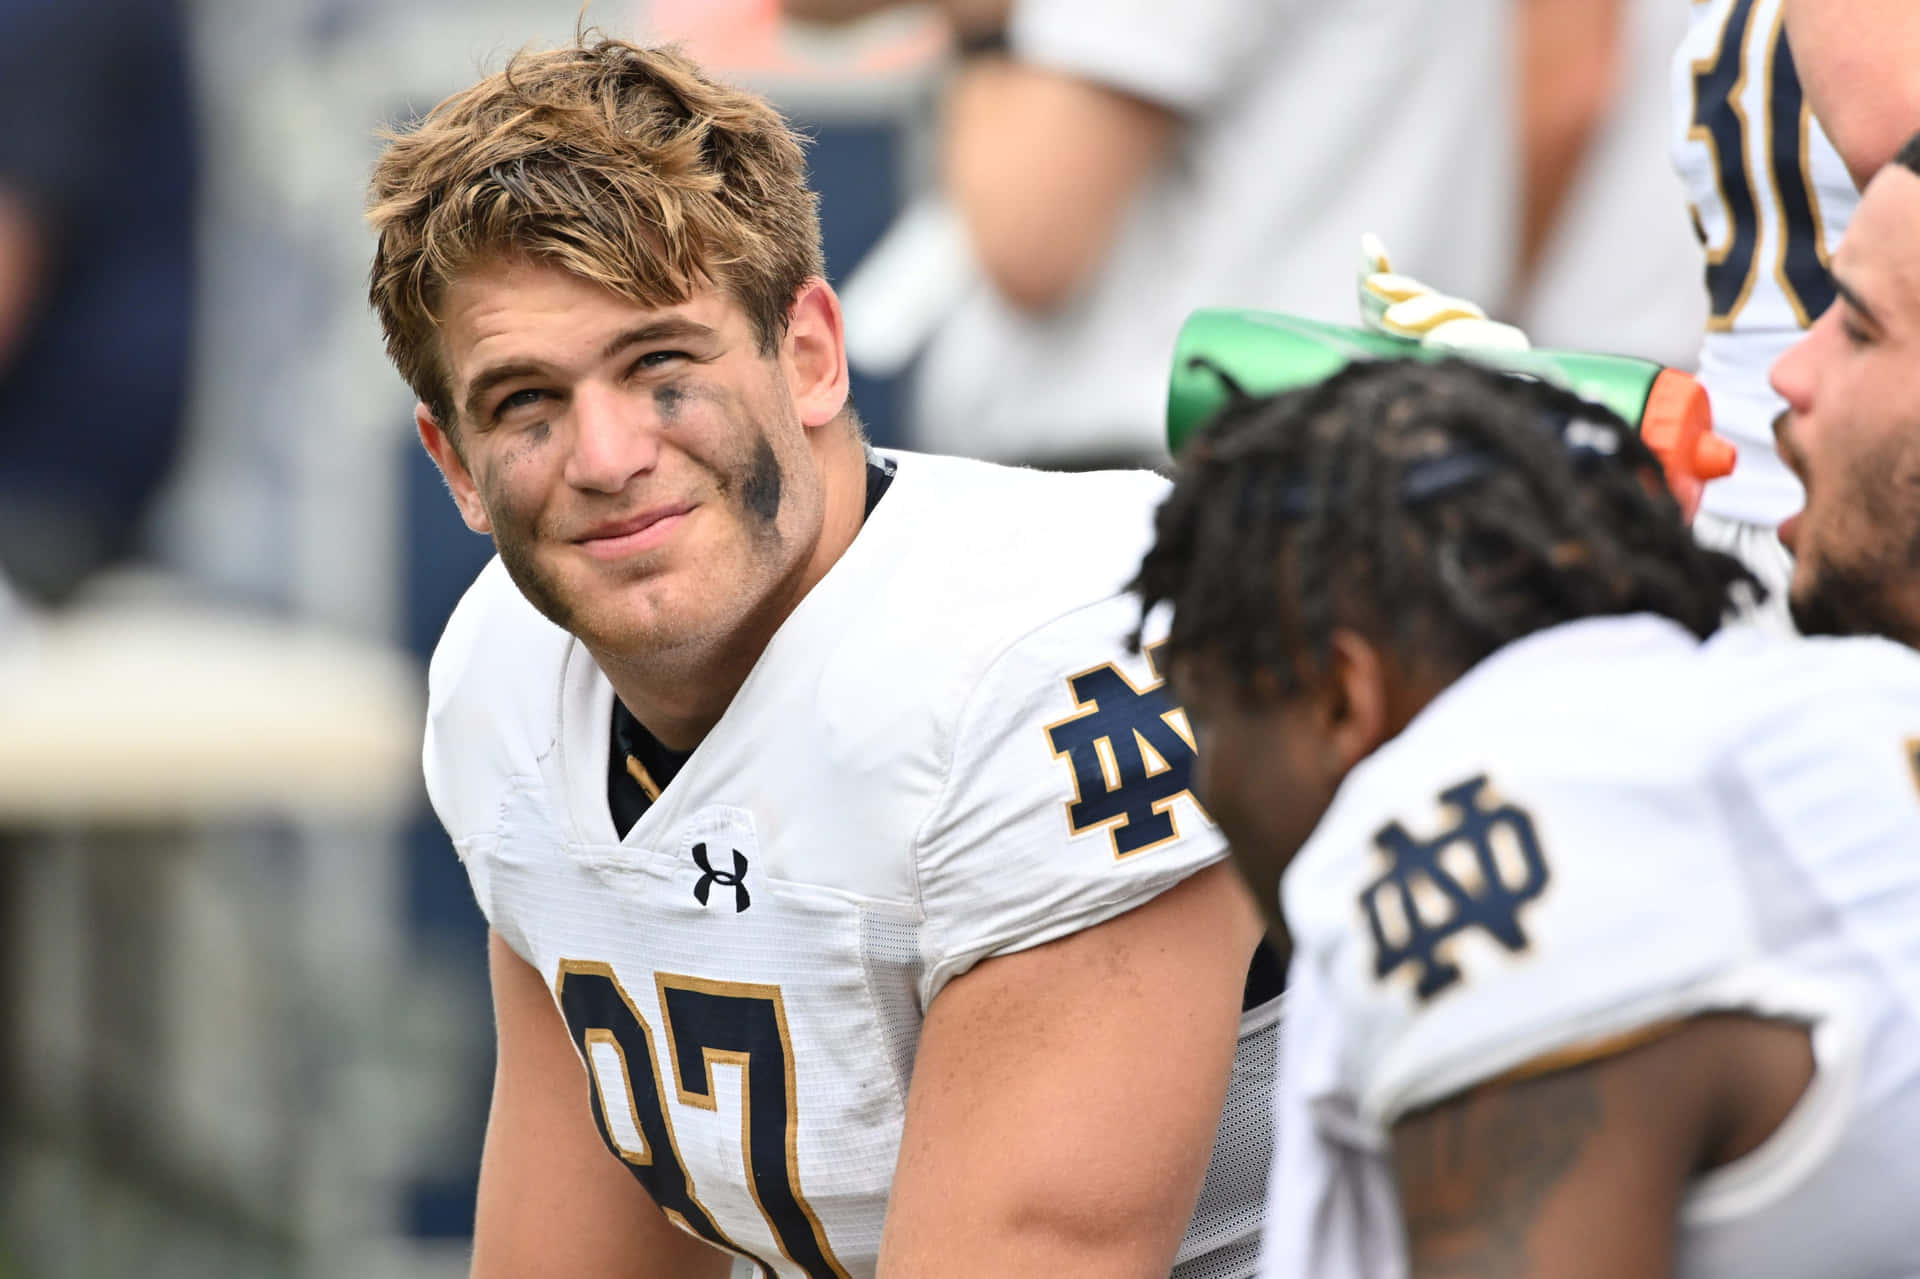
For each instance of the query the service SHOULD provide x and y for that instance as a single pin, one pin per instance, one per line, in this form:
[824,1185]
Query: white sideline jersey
[1600,829]
[1770,199]
[946,753]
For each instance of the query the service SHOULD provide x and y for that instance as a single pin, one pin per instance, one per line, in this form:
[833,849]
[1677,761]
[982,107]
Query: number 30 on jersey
[1774,190]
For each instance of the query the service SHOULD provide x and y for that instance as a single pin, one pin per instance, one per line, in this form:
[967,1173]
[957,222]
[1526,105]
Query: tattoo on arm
[1475,1172]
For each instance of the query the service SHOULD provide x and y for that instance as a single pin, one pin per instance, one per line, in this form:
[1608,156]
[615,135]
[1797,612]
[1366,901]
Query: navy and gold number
[1720,122]
[1802,269]
[707,1023]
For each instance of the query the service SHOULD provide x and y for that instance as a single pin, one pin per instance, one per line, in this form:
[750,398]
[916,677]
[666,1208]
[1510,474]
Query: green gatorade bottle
[1263,352]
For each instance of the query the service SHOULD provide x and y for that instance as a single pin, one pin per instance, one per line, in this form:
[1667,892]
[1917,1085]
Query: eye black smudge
[760,493]
[667,401]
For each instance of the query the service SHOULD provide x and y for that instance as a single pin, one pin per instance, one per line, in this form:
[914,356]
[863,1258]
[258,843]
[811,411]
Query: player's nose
[613,441]
[1792,374]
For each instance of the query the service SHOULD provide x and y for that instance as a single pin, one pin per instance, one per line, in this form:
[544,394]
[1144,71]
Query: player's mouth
[642,532]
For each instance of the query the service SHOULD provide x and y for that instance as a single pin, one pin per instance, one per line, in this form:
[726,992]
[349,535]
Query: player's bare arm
[1065,1098]
[1580,1171]
[1570,70]
[1044,166]
[1856,60]
[553,1201]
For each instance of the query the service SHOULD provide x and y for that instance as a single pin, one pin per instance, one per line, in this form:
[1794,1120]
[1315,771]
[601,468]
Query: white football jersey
[1600,829]
[946,753]
[1771,199]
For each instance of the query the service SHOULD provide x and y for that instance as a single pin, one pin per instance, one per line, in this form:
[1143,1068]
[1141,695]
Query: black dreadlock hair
[1441,509]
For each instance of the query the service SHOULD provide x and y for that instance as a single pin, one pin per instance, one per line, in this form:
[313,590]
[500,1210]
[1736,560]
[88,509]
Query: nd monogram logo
[1478,873]
[1130,759]
[736,879]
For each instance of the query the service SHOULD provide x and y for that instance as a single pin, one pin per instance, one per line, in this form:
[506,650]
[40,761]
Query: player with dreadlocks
[1558,1003]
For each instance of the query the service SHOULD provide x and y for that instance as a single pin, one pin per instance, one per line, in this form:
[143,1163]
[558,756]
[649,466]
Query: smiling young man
[1852,427]
[1603,917]
[850,911]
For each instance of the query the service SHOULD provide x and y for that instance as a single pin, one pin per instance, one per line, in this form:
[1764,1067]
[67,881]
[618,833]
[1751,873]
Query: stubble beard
[1870,592]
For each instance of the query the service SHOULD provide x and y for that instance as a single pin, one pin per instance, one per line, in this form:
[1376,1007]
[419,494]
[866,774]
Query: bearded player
[1606,958]
[1783,109]
[850,910]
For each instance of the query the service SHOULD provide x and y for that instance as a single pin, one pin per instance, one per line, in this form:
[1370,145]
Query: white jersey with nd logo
[1597,831]
[948,752]
[1770,200]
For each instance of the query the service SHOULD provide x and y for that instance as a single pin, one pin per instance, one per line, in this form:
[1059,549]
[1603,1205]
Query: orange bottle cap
[1677,425]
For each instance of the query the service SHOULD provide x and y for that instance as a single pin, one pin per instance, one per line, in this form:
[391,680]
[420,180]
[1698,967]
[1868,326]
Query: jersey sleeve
[487,726]
[1068,797]
[1508,918]
[1184,61]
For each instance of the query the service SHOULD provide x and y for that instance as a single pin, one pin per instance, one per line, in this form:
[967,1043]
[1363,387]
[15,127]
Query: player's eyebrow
[488,378]
[668,327]
[1858,303]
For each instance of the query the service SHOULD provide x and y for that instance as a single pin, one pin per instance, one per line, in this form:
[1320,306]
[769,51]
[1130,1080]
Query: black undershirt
[638,766]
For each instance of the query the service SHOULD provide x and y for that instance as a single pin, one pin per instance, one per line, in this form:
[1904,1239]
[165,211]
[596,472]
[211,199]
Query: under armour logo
[736,879]
[1130,756]
[1475,874]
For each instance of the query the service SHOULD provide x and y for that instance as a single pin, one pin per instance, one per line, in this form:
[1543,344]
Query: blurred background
[244,1025]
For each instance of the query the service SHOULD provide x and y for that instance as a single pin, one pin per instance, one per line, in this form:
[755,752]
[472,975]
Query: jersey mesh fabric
[1223,1239]
[890,953]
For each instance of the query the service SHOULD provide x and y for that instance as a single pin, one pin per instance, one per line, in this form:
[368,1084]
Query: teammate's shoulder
[1788,673]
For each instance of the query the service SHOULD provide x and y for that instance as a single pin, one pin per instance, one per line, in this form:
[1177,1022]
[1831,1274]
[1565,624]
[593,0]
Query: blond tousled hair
[623,165]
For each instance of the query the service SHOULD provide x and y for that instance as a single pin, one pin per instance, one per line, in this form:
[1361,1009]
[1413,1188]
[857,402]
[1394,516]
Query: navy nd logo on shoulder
[1477,873]
[1132,756]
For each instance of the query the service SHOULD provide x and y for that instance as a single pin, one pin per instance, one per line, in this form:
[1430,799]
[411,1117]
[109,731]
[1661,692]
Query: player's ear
[453,468]
[1356,692]
[814,354]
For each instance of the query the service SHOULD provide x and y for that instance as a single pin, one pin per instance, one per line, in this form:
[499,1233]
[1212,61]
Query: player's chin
[1827,599]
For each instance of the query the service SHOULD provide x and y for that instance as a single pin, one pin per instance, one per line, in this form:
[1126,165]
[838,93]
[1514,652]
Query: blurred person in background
[1608,259]
[1781,109]
[97,184]
[1117,163]
[849,910]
